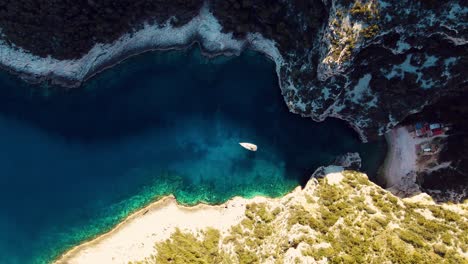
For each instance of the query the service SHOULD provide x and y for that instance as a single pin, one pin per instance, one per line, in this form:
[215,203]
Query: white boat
[249,146]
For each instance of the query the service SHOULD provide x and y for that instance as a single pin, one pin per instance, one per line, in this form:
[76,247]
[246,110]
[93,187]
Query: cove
[74,163]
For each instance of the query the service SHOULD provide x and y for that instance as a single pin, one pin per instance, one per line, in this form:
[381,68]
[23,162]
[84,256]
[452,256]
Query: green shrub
[370,210]
[186,248]
[370,31]
[411,238]
[236,230]
[262,231]
[277,211]
[319,253]
[446,238]
[440,249]
[260,210]
[298,215]
[364,11]
[229,239]
[329,194]
[328,218]
[247,223]
[451,216]
[383,222]
[245,256]
[309,199]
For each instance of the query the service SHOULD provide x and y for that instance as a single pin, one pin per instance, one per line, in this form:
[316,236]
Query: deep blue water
[73,163]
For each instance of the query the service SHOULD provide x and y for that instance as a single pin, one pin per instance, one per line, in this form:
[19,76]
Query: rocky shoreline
[355,62]
[331,73]
[72,72]
[370,63]
[213,42]
[136,239]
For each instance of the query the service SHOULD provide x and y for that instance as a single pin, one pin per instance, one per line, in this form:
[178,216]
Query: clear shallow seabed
[74,163]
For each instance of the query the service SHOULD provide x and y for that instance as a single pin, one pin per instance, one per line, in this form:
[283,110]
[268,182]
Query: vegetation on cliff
[343,218]
[352,23]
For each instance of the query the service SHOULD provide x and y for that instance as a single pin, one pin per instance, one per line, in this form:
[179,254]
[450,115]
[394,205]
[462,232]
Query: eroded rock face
[337,219]
[349,161]
[68,29]
[378,62]
[372,63]
[369,62]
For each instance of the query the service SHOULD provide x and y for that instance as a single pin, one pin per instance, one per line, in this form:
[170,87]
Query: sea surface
[73,163]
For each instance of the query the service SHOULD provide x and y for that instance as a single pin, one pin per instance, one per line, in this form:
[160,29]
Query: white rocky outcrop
[343,84]
[204,29]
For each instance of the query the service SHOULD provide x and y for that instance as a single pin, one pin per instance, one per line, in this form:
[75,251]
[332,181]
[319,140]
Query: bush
[186,248]
[260,210]
[440,249]
[411,238]
[328,218]
[247,223]
[329,194]
[370,210]
[370,31]
[382,221]
[320,253]
[262,231]
[364,11]
[245,256]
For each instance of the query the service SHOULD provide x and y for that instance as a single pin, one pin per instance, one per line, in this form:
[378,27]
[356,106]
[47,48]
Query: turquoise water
[73,163]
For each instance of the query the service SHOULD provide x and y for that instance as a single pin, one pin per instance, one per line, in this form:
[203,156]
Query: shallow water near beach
[74,163]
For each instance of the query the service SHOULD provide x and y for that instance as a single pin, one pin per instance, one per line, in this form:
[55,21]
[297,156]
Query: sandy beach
[401,157]
[401,164]
[134,238]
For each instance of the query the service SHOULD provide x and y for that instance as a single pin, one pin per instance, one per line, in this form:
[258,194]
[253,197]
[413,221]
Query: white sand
[135,237]
[401,157]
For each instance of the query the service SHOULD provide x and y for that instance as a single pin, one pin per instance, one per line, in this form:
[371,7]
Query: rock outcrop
[369,62]
[372,63]
[341,218]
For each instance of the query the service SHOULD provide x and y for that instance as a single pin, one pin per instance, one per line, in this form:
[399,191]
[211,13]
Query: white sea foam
[204,28]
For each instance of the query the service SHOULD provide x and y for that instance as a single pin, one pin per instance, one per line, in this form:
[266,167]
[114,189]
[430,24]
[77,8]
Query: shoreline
[62,258]
[68,83]
[206,53]
[388,159]
[161,203]
[400,163]
[203,30]
[125,243]
[236,202]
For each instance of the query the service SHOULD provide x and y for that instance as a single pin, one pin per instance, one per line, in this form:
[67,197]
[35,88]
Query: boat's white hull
[248,146]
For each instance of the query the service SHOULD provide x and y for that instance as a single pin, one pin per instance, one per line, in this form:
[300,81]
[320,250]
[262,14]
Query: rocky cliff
[372,63]
[369,62]
[341,218]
